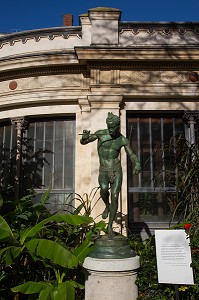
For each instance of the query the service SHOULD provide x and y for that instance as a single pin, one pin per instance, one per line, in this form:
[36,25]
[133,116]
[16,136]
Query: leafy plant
[87,202]
[41,255]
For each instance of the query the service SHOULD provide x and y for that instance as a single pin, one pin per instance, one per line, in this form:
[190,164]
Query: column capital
[105,101]
[84,104]
[20,123]
[191,118]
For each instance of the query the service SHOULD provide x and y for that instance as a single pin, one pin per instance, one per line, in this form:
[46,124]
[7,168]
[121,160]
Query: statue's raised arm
[87,137]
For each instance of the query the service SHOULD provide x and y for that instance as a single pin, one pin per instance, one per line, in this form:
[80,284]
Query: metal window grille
[51,154]
[149,135]
[48,159]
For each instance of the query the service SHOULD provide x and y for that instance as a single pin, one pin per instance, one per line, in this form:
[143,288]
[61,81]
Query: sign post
[173,258]
[177,292]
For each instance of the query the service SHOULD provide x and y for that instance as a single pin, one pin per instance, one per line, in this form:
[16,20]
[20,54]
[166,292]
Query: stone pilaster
[83,152]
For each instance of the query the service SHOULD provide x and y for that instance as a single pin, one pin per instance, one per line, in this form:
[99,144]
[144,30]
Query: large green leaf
[9,253]
[31,287]
[64,291]
[46,294]
[69,219]
[4,234]
[45,196]
[83,251]
[100,226]
[5,230]
[53,251]
[85,248]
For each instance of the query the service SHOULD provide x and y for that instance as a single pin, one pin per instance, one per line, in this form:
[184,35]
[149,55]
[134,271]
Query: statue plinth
[116,247]
[111,270]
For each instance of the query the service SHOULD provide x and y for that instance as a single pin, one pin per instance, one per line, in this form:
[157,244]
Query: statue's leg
[115,190]
[104,193]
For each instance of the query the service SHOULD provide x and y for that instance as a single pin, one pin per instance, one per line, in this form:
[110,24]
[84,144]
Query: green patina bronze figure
[110,142]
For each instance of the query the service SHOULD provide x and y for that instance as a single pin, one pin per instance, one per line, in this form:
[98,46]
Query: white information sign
[173,257]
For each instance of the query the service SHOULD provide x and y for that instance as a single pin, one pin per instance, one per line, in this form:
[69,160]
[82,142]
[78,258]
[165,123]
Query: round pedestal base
[112,247]
[110,279]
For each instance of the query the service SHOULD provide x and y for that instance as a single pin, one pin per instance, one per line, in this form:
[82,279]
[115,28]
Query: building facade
[56,82]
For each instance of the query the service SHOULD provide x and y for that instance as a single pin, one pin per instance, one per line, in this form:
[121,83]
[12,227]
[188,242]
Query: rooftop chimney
[68,20]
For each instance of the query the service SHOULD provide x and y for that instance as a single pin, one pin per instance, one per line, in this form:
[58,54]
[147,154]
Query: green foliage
[147,278]
[41,255]
[185,178]
[187,183]
[86,202]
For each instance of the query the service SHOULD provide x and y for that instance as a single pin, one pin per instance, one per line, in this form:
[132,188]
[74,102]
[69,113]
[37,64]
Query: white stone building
[56,82]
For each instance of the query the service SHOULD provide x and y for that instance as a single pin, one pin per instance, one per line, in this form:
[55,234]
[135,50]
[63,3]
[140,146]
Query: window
[48,150]
[151,193]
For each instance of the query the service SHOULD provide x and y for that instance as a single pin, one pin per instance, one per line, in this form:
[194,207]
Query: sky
[23,15]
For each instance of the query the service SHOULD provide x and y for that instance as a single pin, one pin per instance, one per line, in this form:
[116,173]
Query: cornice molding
[138,53]
[144,65]
[86,69]
[42,59]
[40,71]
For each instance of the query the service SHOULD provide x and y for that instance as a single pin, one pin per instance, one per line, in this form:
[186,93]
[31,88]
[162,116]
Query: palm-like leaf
[52,251]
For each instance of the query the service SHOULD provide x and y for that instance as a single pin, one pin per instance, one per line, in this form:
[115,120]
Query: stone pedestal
[111,279]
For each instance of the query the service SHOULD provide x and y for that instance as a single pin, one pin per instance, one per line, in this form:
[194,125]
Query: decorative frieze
[160,27]
[43,82]
[42,71]
[138,77]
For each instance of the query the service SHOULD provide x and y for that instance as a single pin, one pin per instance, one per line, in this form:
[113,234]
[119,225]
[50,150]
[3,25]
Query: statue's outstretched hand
[85,135]
[137,168]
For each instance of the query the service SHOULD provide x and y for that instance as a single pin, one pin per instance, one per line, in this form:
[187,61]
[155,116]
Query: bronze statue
[110,142]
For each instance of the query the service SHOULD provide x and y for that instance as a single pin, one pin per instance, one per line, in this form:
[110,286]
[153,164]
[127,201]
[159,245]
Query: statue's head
[113,123]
